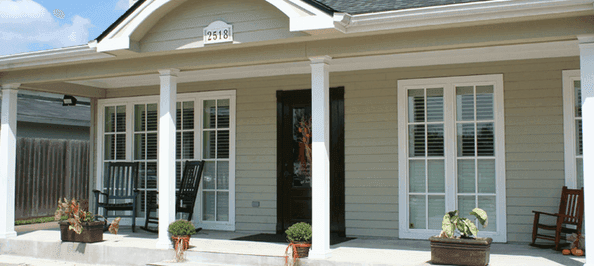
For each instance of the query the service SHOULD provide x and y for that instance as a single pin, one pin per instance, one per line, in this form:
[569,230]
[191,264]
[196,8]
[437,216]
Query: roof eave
[54,56]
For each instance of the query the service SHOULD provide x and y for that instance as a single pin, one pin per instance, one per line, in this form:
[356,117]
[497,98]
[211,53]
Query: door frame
[337,181]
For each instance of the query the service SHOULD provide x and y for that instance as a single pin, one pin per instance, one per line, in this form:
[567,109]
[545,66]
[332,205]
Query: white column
[587,80]
[320,110]
[166,159]
[8,131]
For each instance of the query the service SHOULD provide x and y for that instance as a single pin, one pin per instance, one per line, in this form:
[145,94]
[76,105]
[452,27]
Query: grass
[37,220]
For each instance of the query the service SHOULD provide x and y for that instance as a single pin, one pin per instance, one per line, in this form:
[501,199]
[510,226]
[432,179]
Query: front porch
[210,247]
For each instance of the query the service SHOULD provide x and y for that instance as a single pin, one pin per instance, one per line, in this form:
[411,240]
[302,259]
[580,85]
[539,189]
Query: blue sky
[33,25]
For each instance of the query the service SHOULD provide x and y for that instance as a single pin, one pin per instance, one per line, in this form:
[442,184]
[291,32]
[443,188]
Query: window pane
[222,175]
[139,117]
[436,211]
[580,172]
[209,114]
[151,117]
[151,174]
[208,175]
[188,147]
[488,204]
[579,149]
[121,146]
[178,148]
[465,205]
[465,103]
[208,205]
[223,144]
[466,176]
[142,176]
[486,176]
[417,212]
[110,119]
[178,116]
[578,98]
[223,206]
[485,139]
[436,176]
[417,175]
[109,147]
[151,149]
[465,139]
[416,105]
[223,113]
[121,119]
[434,140]
[188,116]
[178,174]
[416,140]
[484,102]
[139,146]
[209,141]
[434,105]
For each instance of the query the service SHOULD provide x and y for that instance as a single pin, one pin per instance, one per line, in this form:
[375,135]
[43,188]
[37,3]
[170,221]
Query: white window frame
[569,76]
[449,84]
[198,98]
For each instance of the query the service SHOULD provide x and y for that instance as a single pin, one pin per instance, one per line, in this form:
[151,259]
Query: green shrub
[181,228]
[299,232]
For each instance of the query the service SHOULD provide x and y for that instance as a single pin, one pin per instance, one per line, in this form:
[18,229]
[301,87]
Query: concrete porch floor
[41,245]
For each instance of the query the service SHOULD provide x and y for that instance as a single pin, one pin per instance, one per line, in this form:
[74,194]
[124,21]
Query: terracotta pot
[302,249]
[469,252]
[185,240]
[92,232]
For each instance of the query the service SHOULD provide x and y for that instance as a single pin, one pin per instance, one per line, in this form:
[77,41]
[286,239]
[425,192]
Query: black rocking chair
[185,197]
[119,190]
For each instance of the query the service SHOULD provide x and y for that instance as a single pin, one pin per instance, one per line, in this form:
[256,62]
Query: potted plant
[299,235]
[81,225]
[465,249]
[180,231]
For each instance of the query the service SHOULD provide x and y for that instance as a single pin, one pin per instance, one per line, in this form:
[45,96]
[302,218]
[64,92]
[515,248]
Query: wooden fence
[49,169]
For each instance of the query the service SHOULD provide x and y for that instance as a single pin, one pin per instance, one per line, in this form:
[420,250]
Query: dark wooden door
[294,202]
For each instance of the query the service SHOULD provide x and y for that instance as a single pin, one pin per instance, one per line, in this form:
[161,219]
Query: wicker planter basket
[469,252]
[92,232]
[302,249]
[184,240]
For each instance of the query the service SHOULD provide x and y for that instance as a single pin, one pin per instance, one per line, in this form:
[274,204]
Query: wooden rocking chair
[119,190]
[185,197]
[571,212]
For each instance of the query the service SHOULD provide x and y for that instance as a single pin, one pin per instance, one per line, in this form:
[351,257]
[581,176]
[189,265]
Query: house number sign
[218,32]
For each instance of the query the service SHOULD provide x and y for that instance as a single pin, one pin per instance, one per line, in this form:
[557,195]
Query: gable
[183,27]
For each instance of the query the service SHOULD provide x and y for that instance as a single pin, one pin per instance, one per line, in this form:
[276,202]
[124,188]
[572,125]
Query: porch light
[69,100]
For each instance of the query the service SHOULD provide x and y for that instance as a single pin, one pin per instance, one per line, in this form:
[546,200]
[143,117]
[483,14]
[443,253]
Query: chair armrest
[546,213]
[100,192]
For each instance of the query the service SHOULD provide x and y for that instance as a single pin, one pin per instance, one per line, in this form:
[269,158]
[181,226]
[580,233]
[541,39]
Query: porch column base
[319,255]
[164,244]
[8,235]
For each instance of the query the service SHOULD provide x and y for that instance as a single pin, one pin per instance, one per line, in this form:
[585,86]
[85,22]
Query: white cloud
[27,24]
[122,5]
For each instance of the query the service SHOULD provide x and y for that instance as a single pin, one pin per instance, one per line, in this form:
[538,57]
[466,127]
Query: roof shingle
[370,6]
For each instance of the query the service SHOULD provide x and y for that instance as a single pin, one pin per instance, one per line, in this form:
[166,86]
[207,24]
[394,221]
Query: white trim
[432,58]
[569,76]
[449,84]
[462,13]
[198,97]
[50,57]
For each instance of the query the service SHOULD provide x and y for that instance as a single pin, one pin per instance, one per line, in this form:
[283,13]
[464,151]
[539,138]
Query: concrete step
[10,260]
[195,258]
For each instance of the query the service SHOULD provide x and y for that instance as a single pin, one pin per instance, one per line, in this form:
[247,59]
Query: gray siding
[252,20]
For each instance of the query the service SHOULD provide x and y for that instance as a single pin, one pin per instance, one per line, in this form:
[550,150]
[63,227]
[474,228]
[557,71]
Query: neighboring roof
[47,109]
[361,7]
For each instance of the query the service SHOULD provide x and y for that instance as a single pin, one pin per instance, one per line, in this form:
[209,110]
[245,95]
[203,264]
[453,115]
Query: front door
[294,159]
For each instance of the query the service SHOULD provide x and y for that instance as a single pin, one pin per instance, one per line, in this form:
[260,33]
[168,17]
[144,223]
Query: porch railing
[47,169]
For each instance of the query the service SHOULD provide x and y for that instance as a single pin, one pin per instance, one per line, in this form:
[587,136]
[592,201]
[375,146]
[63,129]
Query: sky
[34,25]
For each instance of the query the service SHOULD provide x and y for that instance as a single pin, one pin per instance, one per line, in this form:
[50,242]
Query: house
[42,115]
[416,108]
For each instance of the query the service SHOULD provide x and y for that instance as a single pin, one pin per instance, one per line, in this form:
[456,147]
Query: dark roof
[49,110]
[371,6]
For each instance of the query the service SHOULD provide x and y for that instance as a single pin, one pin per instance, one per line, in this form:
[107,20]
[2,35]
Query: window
[205,125]
[572,128]
[451,152]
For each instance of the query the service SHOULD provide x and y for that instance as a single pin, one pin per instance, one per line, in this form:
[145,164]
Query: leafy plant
[77,213]
[299,232]
[466,227]
[181,228]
